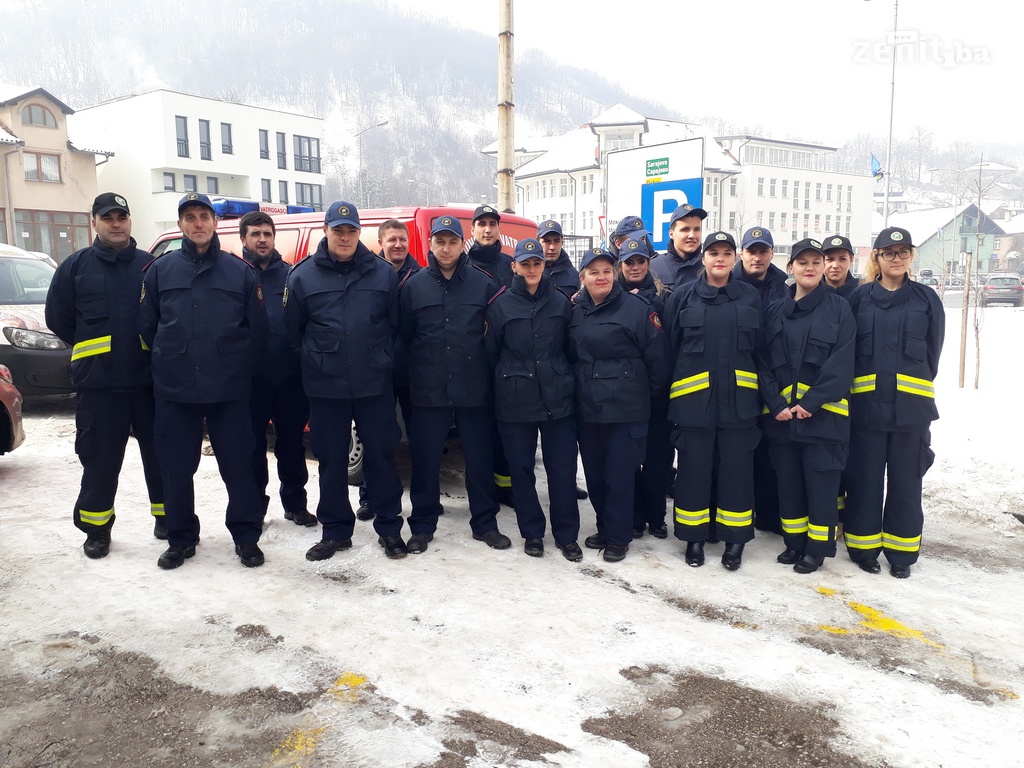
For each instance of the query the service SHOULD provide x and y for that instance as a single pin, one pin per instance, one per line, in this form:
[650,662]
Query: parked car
[11,432]
[931,282]
[39,362]
[1002,286]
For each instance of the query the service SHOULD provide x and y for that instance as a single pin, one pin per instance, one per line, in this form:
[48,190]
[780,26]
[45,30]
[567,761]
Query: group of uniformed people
[784,403]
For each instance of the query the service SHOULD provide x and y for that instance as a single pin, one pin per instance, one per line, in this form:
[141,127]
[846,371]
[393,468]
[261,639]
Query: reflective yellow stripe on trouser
[157,510]
[874,541]
[825,533]
[690,384]
[502,481]
[840,503]
[734,519]
[90,347]
[841,407]
[96,518]
[693,517]
[794,525]
[901,543]
[913,386]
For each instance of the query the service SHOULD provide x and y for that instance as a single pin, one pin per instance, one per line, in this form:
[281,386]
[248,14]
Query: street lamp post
[892,104]
[362,195]
[428,185]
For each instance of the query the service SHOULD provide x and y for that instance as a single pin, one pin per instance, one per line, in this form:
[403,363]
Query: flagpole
[892,104]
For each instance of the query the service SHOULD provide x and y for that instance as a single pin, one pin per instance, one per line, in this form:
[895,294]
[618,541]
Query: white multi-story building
[167,143]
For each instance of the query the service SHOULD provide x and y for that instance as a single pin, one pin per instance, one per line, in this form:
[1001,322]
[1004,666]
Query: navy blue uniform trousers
[286,405]
[653,478]
[402,396]
[426,446]
[558,443]
[612,453]
[104,419]
[808,475]
[766,489]
[330,430]
[179,442]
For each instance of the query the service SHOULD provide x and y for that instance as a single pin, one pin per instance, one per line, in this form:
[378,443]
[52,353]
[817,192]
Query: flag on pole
[876,168]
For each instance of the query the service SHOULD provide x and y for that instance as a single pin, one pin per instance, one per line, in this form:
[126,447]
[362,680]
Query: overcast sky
[814,69]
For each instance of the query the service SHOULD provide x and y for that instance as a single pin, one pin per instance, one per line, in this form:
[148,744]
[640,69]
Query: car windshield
[1003,281]
[24,281]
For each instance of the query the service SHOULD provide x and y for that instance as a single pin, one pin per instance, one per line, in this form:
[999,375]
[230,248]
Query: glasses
[902,254]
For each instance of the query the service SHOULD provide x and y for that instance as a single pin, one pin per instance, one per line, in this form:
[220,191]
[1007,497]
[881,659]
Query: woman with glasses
[900,330]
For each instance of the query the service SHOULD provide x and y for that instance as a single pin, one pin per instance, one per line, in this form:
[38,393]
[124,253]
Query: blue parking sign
[658,200]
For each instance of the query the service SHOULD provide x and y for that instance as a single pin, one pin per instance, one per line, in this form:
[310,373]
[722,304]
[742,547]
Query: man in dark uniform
[393,238]
[838,260]
[341,311]
[557,264]
[277,394]
[682,263]
[202,315]
[628,227]
[442,323]
[93,306]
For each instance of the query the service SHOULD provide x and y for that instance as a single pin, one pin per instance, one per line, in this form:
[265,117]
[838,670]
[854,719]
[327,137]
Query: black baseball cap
[807,244]
[837,243]
[107,202]
[893,236]
[195,198]
[717,238]
[485,210]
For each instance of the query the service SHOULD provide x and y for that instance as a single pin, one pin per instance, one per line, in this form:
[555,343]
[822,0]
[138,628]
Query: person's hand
[784,415]
[800,412]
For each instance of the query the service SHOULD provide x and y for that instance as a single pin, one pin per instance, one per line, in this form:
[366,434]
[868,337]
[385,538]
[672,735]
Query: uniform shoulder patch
[142,297]
[259,293]
[284,299]
[655,320]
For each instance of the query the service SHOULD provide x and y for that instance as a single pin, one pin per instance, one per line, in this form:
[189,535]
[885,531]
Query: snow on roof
[620,114]
[77,148]
[1014,226]
[10,93]
[568,152]
[924,223]
[6,137]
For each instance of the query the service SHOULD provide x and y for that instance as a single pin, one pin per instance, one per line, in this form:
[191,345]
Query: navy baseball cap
[807,244]
[629,225]
[633,246]
[717,238]
[893,236]
[485,210]
[446,224]
[528,249]
[836,243]
[756,235]
[107,202]
[687,210]
[549,227]
[342,213]
[195,198]
[596,253]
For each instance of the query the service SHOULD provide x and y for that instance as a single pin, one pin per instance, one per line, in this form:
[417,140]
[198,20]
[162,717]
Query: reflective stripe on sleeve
[693,517]
[841,407]
[690,384]
[90,347]
[746,379]
[145,346]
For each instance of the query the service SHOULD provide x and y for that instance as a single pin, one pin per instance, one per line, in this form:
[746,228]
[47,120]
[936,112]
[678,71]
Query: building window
[544,188]
[785,187]
[796,194]
[309,194]
[771,219]
[828,223]
[848,220]
[40,167]
[817,192]
[205,150]
[168,182]
[55,233]
[282,154]
[212,186]
[807,224]
[36,114]
[615,141]
[181,130]
[264,145]
[760,218]
[265,189]
[282,188]
[782,220]
[307,154]
[732,188]
[807,196]
[3,226]
[225,139]
[732,220]
[849,205]
[760,186]
[817,222]
[563,187]
[828,194]
[189,182]
[771,189]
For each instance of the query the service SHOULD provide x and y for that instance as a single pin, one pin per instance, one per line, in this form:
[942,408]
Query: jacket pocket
[748,320]
[915,344]
[865,334]
[691,324]
[820,340]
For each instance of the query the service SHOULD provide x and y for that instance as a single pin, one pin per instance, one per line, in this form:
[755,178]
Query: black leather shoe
[326,548]
[365,513]
[638,533]
[871,566]
[900,571]
[808,564]
[596,541]
[505,496]
[613,553]
[159,529]
[572,552]
[301,518]
[534,547]
[581,493]
[250,554]
[732,558]
[97,543]
[394,547]
[494,539]
[789,557]
[695,554]
[175,556]
[658,530]
[713,539]
[418,543]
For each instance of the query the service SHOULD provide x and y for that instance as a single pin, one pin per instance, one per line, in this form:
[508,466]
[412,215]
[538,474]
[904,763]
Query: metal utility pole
[892,104]
[967,282]
[363,202]
[506,110]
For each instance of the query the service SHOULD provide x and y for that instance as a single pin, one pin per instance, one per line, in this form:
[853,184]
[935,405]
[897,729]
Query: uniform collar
[109,254]
[883,297]
[588,304]
[189,248]
[808,302]
[518,287]
[710,293]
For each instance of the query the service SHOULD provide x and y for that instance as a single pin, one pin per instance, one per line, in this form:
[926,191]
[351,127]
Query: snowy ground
[464,656]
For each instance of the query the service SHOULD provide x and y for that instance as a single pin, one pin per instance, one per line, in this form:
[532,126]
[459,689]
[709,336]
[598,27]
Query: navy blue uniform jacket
[772,288]
[93,306]
[675,271]
[619,357]
[441,323]
[526,344]
[491,260]
[564,275]
[807,358]
[203,318]
[281,362]
[343,319]
[713,333]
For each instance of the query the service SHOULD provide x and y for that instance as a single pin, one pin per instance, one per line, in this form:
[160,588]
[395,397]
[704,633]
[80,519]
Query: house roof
[620,114]
[6,137]
[12,94]
[569,152]
[925,223]
[766,140]
[76,148]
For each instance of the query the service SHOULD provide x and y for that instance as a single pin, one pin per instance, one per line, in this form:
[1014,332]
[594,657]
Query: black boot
[695,554]
[732,558]
[789,557]
[808,564]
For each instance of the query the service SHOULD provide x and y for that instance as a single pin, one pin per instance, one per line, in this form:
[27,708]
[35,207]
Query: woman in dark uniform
[618,351]
[654,476]
[900,330]
[713,327]
[533,391]
[805,369]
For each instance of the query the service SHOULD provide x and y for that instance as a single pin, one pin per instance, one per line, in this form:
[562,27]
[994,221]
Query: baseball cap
[687,210]
[756,235]
[195,198]
[633,246]
[596,253]
[549,227]
[485,210]
[629,225]
[807,244]
[893,236]
[342,213]
[107,202]
[446,224]
[717,238]
[528,249]
[837,242]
